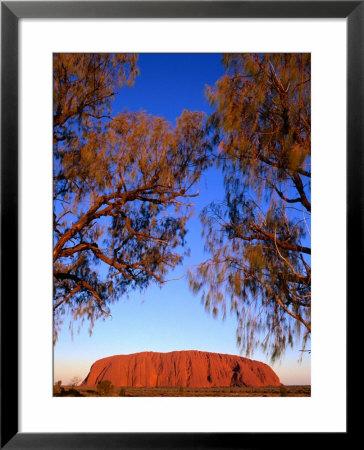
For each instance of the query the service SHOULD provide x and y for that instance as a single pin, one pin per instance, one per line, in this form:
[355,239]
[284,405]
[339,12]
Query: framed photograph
[156,184]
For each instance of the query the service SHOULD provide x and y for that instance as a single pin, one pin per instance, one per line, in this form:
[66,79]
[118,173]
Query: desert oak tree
[122,184]
[259,236]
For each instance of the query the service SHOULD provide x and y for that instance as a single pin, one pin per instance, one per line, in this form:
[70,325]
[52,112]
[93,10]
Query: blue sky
[168,318]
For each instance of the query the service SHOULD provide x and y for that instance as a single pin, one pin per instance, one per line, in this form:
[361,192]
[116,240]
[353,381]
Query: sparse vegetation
[169,391]
[122,392]
[57,387]
[283,391]
[181,390]
[104,387]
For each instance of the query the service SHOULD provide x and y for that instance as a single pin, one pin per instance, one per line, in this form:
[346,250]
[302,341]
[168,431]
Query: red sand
[188,368]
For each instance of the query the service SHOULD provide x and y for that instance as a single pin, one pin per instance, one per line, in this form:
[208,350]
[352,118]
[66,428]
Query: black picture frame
[11,12]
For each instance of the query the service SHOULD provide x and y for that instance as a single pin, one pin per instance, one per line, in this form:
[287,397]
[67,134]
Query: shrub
[283,391]
[57,387]
[122,392]
[181,391]
[74,393]
[104,387]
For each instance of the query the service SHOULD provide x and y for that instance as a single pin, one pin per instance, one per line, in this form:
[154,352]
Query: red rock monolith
[188,368]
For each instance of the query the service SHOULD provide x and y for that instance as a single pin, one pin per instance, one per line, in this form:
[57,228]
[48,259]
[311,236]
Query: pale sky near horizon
[168,318]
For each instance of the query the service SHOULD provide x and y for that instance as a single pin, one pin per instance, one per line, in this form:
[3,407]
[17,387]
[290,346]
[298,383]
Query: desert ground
[267,391]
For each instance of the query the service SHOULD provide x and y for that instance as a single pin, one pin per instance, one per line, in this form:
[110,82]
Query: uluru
[189,368]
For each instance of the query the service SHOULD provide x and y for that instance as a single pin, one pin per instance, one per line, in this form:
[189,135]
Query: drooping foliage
[121,187]
[84,86]
[259,237]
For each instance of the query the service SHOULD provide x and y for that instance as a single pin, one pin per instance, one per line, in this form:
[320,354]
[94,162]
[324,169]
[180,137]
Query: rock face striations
[181,368]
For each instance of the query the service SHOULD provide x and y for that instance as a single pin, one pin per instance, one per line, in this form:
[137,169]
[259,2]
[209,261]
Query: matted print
[182,217]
